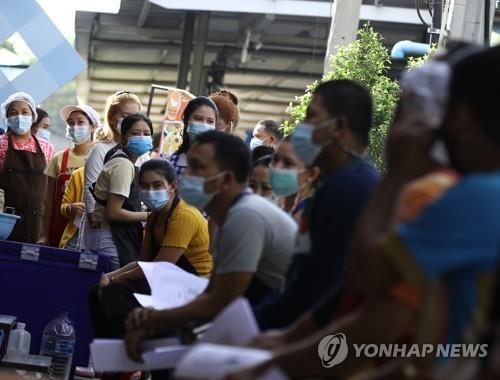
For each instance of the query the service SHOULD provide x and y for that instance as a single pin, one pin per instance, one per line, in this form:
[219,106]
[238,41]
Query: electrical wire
[417,6]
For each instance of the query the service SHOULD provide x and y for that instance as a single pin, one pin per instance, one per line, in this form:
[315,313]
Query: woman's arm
[133,271]
[115,212]
[93,166]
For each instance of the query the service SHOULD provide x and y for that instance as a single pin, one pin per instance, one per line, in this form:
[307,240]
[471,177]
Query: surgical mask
[194,129]
[43,134]
[192,190]
[155,199]
[80,134]
[284,182]
[20,124]
[138,145]
[302,142]
[256,142]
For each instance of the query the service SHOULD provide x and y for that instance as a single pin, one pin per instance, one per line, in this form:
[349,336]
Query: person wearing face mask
[259,176]
[253,245]
[175,232]
[41,126]
[339,118]
[118,106]
[266,132]
[291,179]
[200,116]
[81,123]
[23,160]
[116,229]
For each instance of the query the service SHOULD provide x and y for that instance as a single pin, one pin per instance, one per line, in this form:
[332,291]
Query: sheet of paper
[235,325]
[212,362]
[171,286]
[110,355]
[144,300]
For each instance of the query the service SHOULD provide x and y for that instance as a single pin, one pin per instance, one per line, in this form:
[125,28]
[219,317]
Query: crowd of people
[303,226]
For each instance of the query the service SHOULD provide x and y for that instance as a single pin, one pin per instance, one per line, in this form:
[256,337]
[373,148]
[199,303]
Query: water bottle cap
[21,326]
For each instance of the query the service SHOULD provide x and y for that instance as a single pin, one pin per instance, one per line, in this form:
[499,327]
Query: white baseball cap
[86,109]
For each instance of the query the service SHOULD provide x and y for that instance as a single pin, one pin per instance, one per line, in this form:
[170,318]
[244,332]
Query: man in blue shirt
[344,109]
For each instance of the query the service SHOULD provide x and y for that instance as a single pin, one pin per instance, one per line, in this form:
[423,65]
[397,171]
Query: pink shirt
[30,146]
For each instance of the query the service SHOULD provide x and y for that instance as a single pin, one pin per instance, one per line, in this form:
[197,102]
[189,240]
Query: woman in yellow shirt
[72,207]
[175,232]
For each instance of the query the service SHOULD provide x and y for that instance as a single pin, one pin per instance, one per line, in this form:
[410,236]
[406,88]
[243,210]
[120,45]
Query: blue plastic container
[7,223]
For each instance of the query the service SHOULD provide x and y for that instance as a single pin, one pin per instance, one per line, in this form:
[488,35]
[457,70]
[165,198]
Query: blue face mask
[194,129]
[138,145]
[155,199]
[192,190]
[43,134]
[20,124]
[302,140]
[284,182]
[81,134]
[302,143]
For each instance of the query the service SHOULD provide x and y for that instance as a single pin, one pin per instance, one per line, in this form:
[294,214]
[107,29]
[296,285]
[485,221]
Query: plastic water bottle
[19,342]
[58,342]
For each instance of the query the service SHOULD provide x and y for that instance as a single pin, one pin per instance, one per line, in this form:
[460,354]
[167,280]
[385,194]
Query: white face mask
[256,142]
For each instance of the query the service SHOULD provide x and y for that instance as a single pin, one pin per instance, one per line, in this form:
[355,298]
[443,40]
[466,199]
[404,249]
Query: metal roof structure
[266,59]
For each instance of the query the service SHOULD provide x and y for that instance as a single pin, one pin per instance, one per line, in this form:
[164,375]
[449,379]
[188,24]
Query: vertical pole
[344,27]
[186,49]
[195,86]
[437,16]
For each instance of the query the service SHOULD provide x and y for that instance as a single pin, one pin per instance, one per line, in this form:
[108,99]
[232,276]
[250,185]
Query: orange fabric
[420,193]
[406,294]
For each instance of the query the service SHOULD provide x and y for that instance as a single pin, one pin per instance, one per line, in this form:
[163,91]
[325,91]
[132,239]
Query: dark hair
[162,167]
[156,140]
[262,155]
[349,99]
[273,128]
[130,120]
[475,82]
[191,107]
[41,114]
[231,153]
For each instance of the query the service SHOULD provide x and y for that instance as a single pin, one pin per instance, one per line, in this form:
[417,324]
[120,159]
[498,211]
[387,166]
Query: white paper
[235,325]
[213,362]
[110,355]
[171,286]
[144,300]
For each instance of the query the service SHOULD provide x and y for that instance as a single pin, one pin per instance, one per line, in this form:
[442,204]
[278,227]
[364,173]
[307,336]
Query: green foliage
[416,62]
[367,61]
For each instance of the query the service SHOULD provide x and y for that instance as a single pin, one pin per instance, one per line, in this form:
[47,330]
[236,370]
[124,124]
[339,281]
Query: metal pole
[186,49]
[195,86]
[487,27]
[437,15]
